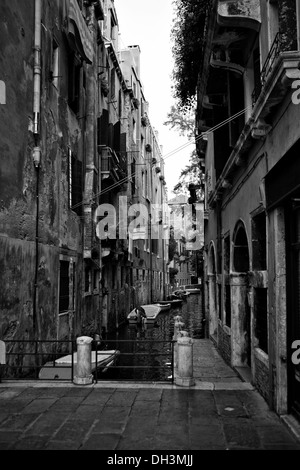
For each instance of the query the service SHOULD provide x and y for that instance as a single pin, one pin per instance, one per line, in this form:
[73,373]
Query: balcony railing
[113,165]
[276,49]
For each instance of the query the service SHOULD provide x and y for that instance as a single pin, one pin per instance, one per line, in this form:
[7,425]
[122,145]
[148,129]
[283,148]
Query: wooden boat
[173,303]
[151,311]
[164,305]
[61,369]
[193,291]
[176,302]
[181,293]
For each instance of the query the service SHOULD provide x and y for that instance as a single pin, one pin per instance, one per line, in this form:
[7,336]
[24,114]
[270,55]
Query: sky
[148,23]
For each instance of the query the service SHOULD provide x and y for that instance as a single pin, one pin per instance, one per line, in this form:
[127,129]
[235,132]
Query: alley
[220,412]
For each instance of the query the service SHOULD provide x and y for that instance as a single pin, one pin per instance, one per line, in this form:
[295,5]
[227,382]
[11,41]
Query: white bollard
[83,367]
[177,318]
[178,325]
[184,374]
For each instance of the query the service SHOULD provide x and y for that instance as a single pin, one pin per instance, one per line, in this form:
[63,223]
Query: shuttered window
[75,184]
[64,286]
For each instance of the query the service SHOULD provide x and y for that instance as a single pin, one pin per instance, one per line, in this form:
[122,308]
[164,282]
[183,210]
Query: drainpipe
[36,133]
[37,68]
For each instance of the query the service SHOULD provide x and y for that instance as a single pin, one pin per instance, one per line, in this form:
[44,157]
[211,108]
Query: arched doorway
[241,313]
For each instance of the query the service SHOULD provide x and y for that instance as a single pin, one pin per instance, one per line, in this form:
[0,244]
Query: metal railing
[274,52]
[138,359]
[141,360]
[25,358]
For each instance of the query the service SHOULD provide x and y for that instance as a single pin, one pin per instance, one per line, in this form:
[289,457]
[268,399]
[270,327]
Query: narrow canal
[146,352]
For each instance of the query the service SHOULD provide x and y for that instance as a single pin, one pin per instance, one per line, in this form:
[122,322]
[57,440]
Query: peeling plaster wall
[17,268]
[59,228]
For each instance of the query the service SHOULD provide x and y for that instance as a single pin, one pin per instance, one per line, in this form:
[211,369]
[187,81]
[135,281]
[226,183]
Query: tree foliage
[187,34]
[184,123]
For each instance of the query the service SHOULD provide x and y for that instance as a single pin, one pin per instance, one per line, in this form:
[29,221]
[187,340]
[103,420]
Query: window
[112,84]
[87,279]
[55,64]
[75,183]
[261,317]
[120,104]
[74,73]
[133,177]
[134,130]
[64,286]
[241,252]
[96,278]
[259,242]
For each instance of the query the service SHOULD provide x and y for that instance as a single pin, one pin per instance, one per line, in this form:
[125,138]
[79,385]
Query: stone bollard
[184,374]
[177,318]
[178,325]
[179,334]
[83,367]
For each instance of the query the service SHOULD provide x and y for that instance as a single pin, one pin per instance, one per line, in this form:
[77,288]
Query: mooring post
[184,376]
[83,367]
[178,325]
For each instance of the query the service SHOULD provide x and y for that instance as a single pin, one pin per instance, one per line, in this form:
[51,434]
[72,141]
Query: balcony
[113,166]
[276,49]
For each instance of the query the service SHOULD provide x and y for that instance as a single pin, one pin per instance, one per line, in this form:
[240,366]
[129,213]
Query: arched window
[241,250]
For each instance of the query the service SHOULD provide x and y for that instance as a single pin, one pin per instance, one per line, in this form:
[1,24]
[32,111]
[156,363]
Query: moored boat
[164,305]
[151,312]
[61,369]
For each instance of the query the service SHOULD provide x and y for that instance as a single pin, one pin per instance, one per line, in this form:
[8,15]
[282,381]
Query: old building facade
[75,137]
[248,116]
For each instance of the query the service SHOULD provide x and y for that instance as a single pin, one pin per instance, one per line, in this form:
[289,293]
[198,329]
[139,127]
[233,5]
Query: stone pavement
[220,412]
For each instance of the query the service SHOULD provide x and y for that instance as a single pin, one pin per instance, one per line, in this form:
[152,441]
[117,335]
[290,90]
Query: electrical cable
[170,154]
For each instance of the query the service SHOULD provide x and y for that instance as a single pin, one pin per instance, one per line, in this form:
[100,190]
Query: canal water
[146,352]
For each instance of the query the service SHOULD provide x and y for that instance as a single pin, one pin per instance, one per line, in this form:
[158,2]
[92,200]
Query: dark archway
[241,267]
[240,249]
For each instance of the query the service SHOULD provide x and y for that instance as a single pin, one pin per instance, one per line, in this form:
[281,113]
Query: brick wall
[261,379]
[224,344]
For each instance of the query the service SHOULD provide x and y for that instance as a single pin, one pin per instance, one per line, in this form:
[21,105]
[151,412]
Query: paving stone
[30,443]
[19,422]
[149,395]
[67,403]
[206,437]
[98,397]
[102,442]
[122,397]
[241,433]
[39,405]
[47,424]
[145,409]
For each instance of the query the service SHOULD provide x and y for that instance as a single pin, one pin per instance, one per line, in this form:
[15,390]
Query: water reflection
[148,348]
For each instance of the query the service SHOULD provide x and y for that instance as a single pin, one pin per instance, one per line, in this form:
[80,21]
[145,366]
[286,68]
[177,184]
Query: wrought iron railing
[274,52]
[138,359]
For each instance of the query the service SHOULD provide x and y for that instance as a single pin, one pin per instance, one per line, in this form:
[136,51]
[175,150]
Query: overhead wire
[170,154]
